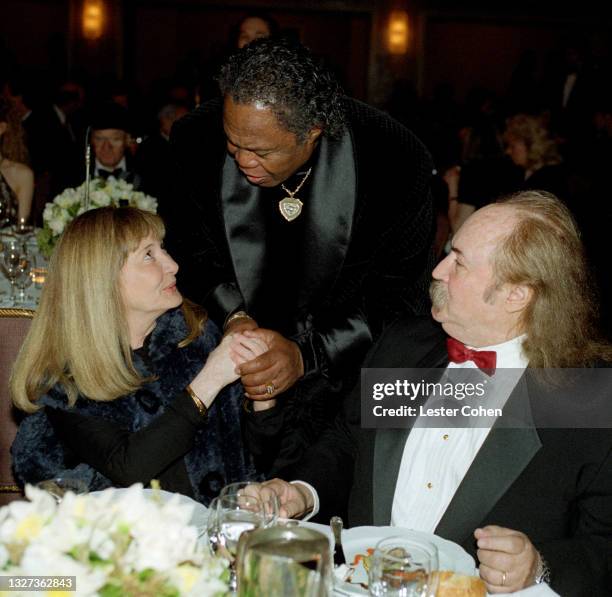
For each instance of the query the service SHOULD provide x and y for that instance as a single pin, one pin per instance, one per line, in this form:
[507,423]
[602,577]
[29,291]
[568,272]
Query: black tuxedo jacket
[554,485]
[363,257]
[365,260]
[130,174]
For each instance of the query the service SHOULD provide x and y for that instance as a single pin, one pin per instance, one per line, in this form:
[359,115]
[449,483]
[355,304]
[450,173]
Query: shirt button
[429,485]
[445,436]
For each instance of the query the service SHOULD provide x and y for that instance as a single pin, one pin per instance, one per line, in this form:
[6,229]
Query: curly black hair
[284,76]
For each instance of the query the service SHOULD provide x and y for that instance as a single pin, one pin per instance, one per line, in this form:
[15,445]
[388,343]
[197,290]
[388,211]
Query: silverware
[336,526]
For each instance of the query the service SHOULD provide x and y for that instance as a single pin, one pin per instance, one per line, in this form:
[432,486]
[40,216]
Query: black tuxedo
[129,174]
[360,257]
[554,485]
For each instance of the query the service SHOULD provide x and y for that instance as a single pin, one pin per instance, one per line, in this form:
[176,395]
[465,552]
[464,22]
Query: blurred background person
[110,139]
[16,177]
[255,26]
[483,172]
[535,152]
[154,157]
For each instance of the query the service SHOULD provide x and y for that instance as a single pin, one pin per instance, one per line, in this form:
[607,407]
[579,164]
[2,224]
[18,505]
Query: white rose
[48,212]
[57,224]
[68,198]
[146,203]
[100,198]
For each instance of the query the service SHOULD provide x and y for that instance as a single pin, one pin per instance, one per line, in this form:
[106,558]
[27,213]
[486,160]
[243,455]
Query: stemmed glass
[24,276]
[270,506]
[23,229]
[235,515]
[402,567]
[10,263]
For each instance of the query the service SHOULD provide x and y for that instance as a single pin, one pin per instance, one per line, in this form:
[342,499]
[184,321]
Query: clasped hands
[272,372]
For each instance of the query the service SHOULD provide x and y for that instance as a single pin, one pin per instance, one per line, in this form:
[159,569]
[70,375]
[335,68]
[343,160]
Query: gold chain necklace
[291,207]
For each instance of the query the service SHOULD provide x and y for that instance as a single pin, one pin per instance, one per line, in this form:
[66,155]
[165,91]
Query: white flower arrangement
[71,203]
[116,545]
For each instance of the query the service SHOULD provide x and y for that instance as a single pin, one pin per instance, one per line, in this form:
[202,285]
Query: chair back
[14,325]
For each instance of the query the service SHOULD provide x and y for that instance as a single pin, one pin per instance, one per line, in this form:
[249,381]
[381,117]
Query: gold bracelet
[199,404]
[237,315]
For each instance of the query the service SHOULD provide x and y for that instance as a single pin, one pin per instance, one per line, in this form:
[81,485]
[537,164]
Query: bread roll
[451,584]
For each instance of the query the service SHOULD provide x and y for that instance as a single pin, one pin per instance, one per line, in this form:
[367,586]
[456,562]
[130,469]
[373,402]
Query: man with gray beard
[532,504]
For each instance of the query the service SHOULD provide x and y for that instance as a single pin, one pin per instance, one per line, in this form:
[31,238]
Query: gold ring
[270,389]
[503,582]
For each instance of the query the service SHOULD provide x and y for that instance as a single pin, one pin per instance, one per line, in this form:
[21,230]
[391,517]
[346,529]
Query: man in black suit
[303,217]
[154,156]
[533,503]
[109,140]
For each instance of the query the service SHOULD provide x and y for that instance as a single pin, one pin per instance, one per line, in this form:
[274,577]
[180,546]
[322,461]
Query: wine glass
[23,230]
[24,275]
[236,514]
[402,567]
[58,487]
[270,505]
[211,531]
[10,262]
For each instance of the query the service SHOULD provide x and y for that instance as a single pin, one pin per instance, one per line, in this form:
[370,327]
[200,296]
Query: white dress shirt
[435,461]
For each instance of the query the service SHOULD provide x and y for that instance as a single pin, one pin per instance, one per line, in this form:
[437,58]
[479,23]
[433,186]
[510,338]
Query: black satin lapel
[388,451]
[330,212]
[245,229]
[502,458]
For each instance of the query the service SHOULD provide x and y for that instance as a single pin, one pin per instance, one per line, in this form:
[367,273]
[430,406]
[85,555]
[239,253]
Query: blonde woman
[16,178]
[535,152]
[123,380]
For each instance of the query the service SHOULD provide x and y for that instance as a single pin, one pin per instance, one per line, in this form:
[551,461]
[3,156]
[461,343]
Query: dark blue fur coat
[218,456]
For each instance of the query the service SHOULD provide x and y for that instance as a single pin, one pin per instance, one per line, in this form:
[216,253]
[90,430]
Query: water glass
[236,514]
[401,567]
[284,562]
[270,505]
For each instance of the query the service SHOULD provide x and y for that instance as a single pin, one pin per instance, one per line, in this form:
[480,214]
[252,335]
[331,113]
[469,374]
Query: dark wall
[193,39]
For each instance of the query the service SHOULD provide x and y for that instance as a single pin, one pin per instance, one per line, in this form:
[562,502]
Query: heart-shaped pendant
[290,208]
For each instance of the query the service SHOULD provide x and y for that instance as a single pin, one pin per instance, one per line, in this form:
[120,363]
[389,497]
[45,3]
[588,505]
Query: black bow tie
[117,172]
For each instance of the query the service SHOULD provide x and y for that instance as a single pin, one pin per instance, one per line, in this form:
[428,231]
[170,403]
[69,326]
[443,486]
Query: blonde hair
[541,148]
[544,252]
[79,335]
[12,142]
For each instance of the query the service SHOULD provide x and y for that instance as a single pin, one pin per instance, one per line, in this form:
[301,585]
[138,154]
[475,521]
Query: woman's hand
[220,368]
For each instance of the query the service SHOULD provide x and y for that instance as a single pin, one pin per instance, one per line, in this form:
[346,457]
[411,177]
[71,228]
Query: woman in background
[534,151]
[123,379]
[16,177]
[253,26]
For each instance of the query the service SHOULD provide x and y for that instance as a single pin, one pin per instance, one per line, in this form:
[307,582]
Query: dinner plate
[358,539]
[200,512]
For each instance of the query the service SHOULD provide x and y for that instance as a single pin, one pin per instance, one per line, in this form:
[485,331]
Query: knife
[336,526]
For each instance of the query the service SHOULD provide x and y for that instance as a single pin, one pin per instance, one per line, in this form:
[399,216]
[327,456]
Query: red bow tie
[459,353]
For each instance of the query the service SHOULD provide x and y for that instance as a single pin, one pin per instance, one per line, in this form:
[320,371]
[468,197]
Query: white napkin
[542,590]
